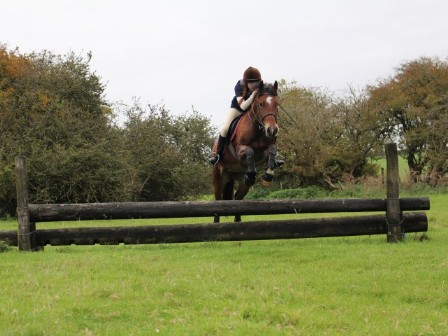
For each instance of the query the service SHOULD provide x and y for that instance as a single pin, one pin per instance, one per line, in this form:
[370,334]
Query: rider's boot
[215,157]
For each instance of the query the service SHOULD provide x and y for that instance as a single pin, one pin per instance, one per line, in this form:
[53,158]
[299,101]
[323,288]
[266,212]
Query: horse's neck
[246,126]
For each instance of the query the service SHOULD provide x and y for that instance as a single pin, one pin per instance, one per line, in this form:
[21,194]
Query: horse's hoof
[268,177]
[249,179]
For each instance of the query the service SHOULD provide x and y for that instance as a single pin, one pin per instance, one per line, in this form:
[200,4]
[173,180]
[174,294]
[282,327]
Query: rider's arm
[244,104]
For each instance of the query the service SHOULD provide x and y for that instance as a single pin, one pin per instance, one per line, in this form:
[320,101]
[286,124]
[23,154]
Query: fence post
[393,212]
[26,230]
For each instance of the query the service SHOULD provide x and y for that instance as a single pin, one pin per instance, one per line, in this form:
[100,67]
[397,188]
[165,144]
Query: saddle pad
[234,126]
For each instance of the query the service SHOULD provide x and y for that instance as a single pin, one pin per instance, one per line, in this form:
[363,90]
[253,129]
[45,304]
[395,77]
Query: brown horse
[251,147]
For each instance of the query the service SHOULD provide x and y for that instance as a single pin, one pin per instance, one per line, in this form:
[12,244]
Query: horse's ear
[261,86]
[275,87]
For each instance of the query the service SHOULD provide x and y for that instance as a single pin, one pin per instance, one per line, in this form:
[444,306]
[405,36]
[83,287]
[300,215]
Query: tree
[364,131]
[168,153]
[415,101]
[331,139]
[51,112]
[194,136]
[438,141]
[305,133]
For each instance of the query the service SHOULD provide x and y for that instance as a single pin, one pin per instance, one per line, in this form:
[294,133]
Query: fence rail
[128,210]
[394,222]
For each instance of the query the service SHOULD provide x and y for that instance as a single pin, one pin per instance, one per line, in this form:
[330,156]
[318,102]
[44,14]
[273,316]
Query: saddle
[232,131]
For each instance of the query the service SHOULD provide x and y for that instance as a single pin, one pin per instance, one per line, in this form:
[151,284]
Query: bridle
[255,117]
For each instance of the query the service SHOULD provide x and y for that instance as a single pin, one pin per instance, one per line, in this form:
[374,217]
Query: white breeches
[232,114]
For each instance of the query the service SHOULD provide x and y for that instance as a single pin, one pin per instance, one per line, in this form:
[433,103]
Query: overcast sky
[191,53]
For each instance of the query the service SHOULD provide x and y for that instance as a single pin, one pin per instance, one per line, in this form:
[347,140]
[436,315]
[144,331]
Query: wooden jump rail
[394,222]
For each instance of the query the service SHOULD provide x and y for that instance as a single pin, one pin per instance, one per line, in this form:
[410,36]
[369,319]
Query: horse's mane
[267,88]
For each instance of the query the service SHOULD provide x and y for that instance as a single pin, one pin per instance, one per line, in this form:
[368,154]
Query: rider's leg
[216,156]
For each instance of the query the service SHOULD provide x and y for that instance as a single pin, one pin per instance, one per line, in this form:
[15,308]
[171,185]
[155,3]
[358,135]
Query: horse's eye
[260,104]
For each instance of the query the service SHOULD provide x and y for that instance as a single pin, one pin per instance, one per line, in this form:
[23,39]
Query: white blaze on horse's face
[270,121]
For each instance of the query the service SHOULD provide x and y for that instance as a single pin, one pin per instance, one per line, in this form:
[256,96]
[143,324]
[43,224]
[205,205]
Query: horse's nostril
[273,130]
[270,131]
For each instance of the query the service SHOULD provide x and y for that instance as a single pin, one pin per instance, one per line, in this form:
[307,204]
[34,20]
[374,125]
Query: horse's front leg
[247,153]
[269,174]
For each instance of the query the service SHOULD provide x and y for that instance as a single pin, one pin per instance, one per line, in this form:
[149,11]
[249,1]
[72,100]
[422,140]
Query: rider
[245,91]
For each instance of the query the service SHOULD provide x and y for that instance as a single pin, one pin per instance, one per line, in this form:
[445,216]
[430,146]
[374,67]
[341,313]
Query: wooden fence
[393,221]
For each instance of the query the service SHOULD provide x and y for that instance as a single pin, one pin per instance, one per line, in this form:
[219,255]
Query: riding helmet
[251,75]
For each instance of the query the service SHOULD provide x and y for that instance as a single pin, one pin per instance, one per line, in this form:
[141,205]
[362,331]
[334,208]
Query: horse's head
[264,109]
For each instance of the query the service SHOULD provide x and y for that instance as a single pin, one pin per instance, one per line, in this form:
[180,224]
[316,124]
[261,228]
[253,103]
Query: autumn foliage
[52,110]
[328,140]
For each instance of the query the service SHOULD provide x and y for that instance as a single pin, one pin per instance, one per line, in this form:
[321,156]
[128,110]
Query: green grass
[332,286]
[402,166]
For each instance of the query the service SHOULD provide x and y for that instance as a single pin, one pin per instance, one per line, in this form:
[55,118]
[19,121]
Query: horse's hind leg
[227,193]
[242,191]
[217,187]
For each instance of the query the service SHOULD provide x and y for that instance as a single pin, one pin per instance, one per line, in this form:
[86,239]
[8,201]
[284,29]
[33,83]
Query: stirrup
[279,160]
[213,158]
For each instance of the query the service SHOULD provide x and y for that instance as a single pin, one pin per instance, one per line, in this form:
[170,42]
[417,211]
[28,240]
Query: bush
[4,247]
[423,189]
[299,193]
[51,113]
[258,193]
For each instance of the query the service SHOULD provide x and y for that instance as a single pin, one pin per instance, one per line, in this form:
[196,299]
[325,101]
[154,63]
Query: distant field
[332,286]
[402,166]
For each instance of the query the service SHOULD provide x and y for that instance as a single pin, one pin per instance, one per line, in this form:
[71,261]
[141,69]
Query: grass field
[331,286]
[402,166]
